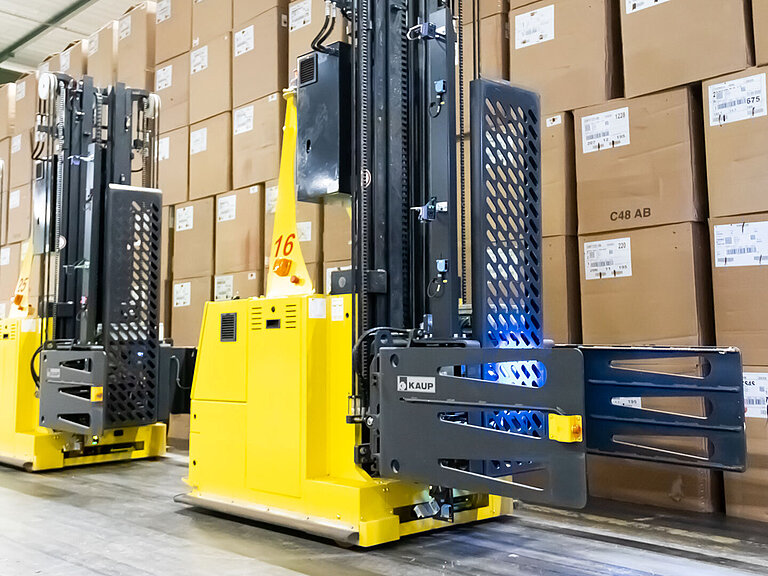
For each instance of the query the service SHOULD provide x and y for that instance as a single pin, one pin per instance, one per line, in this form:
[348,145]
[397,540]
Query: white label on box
[605,130]
[316,308]
[554,121]
[637,5]
[270,199]
[337,309]
[756,395]
[124,29]
[65,60]
[198,141]
[164,149]
[737,100]
[21,90]
[182,294]
[299,15]
[535,27]
[608,259]
[224,288]
[16,144]
[253,189]
[93,44]
[14,199]
[226,209]
[243,121]
[272,98]
[163,12]
[244,41]
[304,231]
[5,256]
[627,402]
[185,218]
[44,67]
[198,60]
[164,78]
[743,244]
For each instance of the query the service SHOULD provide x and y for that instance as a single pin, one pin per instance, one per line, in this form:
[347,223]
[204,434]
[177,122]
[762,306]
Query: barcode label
[743,244]
[737,100]
[243,120]
[182,294]
[628,402]
[637,5]
[756,395]
[243,41]
[299,15]
[163,12]
[226,209]
[198,141]
[224,288]
[605,130]
[164,78]
[198,60]
[608,259]
[124,29]
[185,218]
[535,27]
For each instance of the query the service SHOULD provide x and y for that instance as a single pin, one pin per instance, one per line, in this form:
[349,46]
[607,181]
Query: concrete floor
[120,519]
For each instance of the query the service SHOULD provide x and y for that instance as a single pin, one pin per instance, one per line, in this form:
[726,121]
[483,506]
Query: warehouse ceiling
[30,30]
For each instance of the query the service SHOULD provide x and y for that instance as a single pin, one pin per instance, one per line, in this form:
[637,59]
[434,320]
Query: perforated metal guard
[132,262]
[506,225]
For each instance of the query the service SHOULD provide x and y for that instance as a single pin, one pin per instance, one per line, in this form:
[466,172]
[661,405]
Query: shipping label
[182,294]
[14,199]
[608,259]
[164,149]
[737,100]
[637,5]
[185,218]
[163,11]
[299,15]
[21,90]
[226,208]
[198,60]
[605,130]
[198,141]
[756,395]
[16,144]
[744,244]
[5,256]
[535,27]
[243,120]
[270,199]
[554,121]
[244,41]
[93,44]
[164,78]
[304,231]
[65,59]
[124,29]
[224,288]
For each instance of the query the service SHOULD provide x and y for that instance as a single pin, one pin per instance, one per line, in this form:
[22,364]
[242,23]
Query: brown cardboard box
[566,50]
[10,260]
[3,217]
[746,495]
[735,130]
[7,109]
[73,60]
[19,213]
[256,138]
[193,239]
[21,159]
[211,18]
[760,22]
[337,230]
[739,274]
[239,234]
[309,226]
[210,156]
[5,165]
[652,484]
[102,55]
[245,10]
[173,29]
[663,43]
[210,80]
[238,285]
[305,19]
[647,286]
[50,64]
[136,46]
[173,166]
[172,85]
[561,302]
[492,7]
[328,269]
[189,298]
[178,431]
[640,162]
[26,103]
[558,176]
[260,44]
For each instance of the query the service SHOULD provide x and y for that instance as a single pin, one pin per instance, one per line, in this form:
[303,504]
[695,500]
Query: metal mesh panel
[506,224]
[132,261]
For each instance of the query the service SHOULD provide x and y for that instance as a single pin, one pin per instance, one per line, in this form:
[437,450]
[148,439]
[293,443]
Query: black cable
[35,375]
[320,34]
[367,334]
